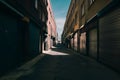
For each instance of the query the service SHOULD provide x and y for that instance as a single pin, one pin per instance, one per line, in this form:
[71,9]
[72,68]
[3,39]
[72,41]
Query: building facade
[23,28]
[71,25]
[97,33]
[51,28]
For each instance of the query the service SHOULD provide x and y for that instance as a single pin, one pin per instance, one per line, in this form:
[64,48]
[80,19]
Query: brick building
[94,32]
[51,28]
[23,28]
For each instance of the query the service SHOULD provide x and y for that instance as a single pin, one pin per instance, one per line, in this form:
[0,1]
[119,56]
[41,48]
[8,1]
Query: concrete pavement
[61,64]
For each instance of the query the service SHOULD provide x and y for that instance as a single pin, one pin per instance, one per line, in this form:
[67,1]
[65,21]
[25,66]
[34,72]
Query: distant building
[51,28]
[92,29]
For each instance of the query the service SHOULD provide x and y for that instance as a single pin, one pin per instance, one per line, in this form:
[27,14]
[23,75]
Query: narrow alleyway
[86,27]
[61,64]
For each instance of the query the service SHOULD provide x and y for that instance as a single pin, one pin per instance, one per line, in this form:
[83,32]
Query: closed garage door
[83,43]
[75,42]
[72,43]
[10,49]
[110,38]
[93,43]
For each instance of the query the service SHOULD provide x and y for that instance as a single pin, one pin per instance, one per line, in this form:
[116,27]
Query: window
[40,14]
[90,2]
[43,17]
[45,2]
[83,9]
[76,17]
[36,4]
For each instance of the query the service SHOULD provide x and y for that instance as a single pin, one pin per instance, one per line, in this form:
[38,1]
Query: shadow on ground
[68,67]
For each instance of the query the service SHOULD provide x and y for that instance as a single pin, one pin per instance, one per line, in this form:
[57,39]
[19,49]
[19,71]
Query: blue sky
[60,8]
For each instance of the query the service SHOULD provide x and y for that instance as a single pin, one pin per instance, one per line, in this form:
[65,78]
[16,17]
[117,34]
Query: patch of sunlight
[52,52]
[55,53]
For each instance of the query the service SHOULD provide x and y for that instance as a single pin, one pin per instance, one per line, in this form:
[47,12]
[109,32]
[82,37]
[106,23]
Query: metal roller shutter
[93,43]
[75,42]
[72,43]
[83,43]
[109,38]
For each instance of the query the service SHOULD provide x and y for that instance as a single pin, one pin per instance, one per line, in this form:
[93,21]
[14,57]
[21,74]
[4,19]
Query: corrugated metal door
[34,35]
[75,42]
[93,43]
[109,30]
[83,43]
[10,49]
[72,43]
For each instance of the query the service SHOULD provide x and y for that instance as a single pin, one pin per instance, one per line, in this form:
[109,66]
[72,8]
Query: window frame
[36,4]
[83,9]
[90,2]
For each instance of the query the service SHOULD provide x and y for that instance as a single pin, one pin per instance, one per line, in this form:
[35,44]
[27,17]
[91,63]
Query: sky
[60,9]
